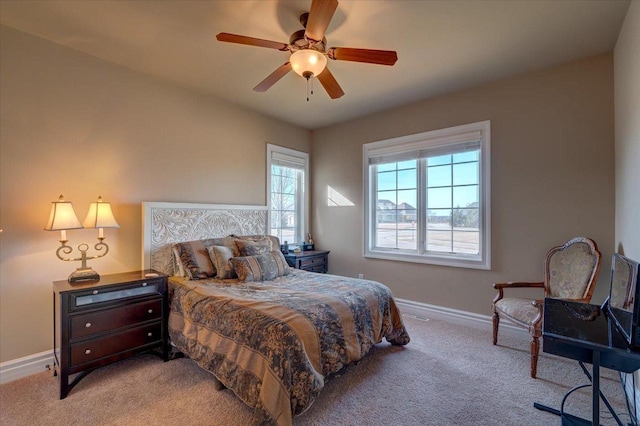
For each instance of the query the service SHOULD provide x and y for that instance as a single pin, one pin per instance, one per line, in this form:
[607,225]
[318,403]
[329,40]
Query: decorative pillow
[195,260]
[220,256]
[192,257]
[262,267]
[178,268]
[275,242]
[254,247]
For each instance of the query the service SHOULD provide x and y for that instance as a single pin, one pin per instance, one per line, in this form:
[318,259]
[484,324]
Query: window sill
[431,260]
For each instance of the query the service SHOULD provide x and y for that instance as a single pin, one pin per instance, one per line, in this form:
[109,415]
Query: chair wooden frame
[535,326]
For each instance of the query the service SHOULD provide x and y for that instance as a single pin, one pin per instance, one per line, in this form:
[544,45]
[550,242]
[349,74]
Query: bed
[272,334]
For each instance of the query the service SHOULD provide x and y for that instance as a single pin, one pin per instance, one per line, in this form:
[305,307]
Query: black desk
[582,332]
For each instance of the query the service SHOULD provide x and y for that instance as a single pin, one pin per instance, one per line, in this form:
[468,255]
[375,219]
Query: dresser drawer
[95,297]
[312,262]
[317,268]
[111,319]
[91,350]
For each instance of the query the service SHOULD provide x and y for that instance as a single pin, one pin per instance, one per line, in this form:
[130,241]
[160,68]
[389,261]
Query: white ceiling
[442,46]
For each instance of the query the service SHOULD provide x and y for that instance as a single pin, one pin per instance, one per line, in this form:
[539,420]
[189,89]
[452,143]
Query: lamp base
[82,275]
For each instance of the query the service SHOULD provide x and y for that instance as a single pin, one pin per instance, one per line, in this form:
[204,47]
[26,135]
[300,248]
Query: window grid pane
[453,210]
[396,200]
[284,202]
[452,196]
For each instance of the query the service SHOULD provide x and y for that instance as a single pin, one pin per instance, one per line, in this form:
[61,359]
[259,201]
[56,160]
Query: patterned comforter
[274,342]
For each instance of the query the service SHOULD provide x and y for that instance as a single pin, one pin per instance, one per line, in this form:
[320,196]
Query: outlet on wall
[361,276]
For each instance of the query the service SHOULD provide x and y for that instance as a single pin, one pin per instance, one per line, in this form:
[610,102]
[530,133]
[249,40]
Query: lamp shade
[100,216]
[308,62]
[62,216]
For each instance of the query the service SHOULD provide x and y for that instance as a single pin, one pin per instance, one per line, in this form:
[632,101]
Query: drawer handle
[144,284]
[150,311]
[88,325]
[95,291]
[87,351]
[149,334]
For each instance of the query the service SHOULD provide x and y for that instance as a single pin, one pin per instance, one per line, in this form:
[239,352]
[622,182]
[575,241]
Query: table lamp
[63,217]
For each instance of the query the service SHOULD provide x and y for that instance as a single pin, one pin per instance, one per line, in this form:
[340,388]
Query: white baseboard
[456,316]
[25,366]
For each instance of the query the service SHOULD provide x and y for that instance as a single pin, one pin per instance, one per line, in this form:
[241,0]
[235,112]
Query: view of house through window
[397,196]
[428,197]
[287,198]
[452,203]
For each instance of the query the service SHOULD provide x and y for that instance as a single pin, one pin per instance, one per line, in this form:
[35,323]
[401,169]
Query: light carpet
[448,375]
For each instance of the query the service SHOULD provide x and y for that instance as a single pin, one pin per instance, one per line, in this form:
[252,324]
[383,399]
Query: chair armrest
[536,325]
[513,284]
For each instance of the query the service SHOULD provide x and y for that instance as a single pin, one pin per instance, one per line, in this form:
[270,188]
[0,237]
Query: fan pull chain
[309,86]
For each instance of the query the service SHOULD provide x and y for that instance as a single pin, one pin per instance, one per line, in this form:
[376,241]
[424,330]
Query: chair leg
[535,350]
[496,322]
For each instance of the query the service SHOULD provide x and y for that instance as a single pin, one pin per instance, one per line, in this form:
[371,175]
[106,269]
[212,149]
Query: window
[287,193]
[428,197]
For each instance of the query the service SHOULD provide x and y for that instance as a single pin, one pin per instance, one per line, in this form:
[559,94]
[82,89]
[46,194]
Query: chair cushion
[517,309]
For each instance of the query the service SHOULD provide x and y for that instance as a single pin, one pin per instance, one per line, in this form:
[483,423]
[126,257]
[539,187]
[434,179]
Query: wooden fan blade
[273,77]
[320,15]
[330,84]
[369,56]
[251,41]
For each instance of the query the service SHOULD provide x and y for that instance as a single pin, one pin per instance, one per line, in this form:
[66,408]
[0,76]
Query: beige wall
[77,125]
[552,165]
[627,146]
[83,127]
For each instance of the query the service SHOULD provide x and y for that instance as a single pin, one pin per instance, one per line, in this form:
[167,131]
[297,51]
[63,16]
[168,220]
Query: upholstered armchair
[570,272]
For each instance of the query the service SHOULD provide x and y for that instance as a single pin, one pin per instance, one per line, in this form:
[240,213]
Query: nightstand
[100,322]
[312,260]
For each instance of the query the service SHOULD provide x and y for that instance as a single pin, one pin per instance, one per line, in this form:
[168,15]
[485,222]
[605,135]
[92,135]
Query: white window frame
[405,145]
[299,158]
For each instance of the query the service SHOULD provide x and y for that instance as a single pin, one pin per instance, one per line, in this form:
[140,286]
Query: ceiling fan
[308,50]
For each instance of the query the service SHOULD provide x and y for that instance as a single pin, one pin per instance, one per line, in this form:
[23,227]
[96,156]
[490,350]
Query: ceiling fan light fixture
[308,62]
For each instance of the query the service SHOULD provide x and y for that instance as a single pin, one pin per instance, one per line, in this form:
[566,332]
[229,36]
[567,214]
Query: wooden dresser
[100,322]
[312,260]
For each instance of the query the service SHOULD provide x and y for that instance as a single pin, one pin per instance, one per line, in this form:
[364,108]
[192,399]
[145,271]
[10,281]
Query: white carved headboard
[164,224]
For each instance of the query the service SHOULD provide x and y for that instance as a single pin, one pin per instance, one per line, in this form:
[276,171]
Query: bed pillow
[261,267]
[195,260]
[178,269]
[254,247]
[275,242]
[220,256]
[192,257]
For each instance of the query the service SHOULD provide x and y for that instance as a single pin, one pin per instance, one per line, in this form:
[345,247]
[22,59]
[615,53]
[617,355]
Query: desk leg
[604,398]
[596,394]
[595,389]
[567,419]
